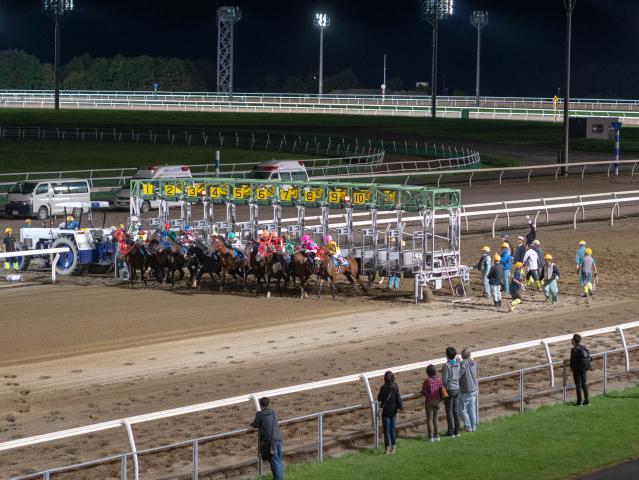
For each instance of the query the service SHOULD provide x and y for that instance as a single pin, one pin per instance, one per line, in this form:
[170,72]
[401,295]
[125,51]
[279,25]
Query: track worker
[270,437]
[587,272]
[9,246]
[531,236]
[483,267]
[517,285]
[550,277]
[531,260]
[579,254]
[496,279]
[505,261]
[520,250]
[580,363]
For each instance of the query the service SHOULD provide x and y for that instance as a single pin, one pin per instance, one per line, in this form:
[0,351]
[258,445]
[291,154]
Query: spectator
[270,437]
[390,401]
[450,379]
[468,387]
[580,362]
[431,389]
[495,279]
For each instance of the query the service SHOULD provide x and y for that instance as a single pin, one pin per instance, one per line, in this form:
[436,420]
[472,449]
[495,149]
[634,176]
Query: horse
[330,271]
[273,267]
[303,268]
[135,260]
[229,263]
[204,263]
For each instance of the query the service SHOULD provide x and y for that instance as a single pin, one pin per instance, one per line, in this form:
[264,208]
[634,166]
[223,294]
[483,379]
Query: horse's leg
[222,280]
[333,286]
[319,290]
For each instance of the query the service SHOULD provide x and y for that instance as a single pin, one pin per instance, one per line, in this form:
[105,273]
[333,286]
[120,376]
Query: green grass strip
[552,442]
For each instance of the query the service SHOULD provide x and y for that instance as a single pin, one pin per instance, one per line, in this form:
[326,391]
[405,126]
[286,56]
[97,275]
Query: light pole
[434,11]
[569,6]
[384,82]
[227,17]
[478,19]
[322,21]
[57,8]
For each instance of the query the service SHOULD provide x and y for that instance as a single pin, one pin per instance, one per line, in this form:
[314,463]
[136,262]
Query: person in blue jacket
[579,255]
[505,261]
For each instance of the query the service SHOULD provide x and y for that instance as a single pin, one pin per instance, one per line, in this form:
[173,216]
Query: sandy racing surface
[74,354]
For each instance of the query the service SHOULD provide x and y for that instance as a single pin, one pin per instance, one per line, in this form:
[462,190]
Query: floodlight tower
[57,8]
[322,21]
[569,5]
[227,17]
[435,11]
[478,19]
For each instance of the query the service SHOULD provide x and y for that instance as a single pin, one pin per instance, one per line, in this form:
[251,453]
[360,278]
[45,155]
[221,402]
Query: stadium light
[227,17]
[478,19]
[569,5]
[435,11]
[57,8]
[322,21]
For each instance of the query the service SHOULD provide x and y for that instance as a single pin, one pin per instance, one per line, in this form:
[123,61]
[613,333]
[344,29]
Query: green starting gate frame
[435,259]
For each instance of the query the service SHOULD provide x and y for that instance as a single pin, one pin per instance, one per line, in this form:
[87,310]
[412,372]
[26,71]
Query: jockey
[236,244]
[333,250]
[289,247]
[265,239]
[309,247]
[166,236]
[277,243]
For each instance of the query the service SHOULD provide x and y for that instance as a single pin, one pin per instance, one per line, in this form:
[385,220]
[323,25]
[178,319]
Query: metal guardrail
[455,107]
[194,444]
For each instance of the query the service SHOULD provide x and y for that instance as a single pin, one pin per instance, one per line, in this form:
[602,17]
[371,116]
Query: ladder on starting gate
[459,292]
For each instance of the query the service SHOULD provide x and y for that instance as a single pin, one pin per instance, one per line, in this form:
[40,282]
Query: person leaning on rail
[270,437]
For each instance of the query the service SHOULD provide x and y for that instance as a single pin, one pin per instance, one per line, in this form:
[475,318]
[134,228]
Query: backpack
[586,359]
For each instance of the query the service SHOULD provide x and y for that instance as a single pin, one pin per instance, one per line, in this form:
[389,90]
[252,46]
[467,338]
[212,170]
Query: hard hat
[518,264]
[70,218]
[167,226]
[497,258]
[328,239]
[8,230]
[588,251]
[306,238]
[505,245]
[536,242]
[231,235]
[582,242]
[486,248]
[521,238]
[548,256]
[28,221]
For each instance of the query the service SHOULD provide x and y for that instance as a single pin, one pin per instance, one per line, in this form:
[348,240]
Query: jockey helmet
[231,235]
[306,238]
[186,228]
[274,235]
[327,239]
[265,235]
[167,226]
[70,218]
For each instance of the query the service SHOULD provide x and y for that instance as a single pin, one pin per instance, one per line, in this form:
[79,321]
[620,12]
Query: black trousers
[452,411]
[581,384]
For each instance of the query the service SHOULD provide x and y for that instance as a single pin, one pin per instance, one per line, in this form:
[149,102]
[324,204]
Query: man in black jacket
[580,364]
[495,279]
[270,438]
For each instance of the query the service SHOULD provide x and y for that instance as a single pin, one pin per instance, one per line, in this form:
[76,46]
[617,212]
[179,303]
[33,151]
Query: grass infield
[552,442]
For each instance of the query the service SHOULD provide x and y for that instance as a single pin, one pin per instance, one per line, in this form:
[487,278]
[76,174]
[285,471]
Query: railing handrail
[251,397]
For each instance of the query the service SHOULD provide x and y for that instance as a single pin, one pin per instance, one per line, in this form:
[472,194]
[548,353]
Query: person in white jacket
[531,260]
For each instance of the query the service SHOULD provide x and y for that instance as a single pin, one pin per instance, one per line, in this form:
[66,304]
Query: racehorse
[202,262]
[303,268]
[229,263]
[330,271]
[273,267]
[135,260]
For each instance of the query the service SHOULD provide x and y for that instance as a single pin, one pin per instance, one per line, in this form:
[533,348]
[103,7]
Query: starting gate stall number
[264,193]
[171,190]
[241,193]
[388,197]
[336,195]
[313,195]
[289,194]
[218,192]
[147,189]
[193,192]
[361,197]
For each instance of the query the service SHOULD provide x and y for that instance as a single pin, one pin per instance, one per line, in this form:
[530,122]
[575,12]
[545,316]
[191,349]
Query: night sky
[523,45]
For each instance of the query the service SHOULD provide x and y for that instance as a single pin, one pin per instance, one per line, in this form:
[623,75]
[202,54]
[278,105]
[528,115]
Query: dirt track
[74,355]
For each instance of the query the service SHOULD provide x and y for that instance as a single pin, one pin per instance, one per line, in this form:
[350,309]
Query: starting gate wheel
[23,262]
[460,290]
[124,274]
[68,262]
[428,295]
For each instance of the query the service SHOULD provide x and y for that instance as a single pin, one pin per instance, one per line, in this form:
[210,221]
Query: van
[284,170]
[150,173]
[42,198]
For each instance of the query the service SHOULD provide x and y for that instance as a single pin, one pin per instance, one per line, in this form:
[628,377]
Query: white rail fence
[53,252]
[362,379]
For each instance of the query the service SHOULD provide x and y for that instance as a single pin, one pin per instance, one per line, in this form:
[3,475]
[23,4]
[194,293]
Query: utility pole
[478,19]
[569,6]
